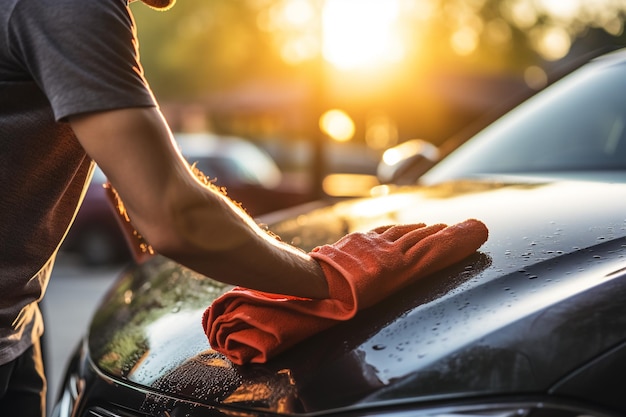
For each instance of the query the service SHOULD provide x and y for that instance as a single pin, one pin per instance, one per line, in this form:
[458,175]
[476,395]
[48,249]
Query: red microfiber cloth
[361,269]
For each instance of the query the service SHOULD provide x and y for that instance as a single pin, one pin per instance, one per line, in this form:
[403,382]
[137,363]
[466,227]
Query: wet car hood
[508,319]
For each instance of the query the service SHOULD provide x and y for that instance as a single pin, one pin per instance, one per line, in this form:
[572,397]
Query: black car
[533,324]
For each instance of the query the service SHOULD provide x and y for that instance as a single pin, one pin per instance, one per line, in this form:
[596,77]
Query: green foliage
[200,46]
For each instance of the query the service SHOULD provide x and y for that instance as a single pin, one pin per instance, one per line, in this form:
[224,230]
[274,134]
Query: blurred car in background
[532,325]
[247,173]
[95,235]
[243,170]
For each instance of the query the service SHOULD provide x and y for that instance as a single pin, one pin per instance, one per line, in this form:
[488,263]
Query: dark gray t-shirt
[57,58]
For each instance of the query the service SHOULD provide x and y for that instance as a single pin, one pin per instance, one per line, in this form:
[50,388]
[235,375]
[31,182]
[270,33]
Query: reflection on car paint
[484,309]
[142,298]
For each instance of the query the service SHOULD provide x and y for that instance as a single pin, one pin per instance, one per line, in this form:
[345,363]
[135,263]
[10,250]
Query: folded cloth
[361,269]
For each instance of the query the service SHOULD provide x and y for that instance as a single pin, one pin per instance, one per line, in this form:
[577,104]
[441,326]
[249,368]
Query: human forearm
[183,218]
[204,230]
[218,239]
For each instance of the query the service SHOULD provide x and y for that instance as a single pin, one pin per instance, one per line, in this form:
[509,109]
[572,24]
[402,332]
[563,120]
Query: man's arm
[181,217]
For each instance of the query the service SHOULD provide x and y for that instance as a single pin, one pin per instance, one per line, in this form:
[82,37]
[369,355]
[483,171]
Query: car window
[578,124]
[255,166]
[226,171]
[98,176]
[231,161]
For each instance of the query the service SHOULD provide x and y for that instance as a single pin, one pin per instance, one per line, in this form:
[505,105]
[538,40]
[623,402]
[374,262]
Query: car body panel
[499,322]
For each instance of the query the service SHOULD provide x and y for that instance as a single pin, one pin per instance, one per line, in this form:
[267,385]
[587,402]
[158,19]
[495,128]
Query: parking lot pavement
[71,298]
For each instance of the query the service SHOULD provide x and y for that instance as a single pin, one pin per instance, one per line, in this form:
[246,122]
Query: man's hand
[364,268]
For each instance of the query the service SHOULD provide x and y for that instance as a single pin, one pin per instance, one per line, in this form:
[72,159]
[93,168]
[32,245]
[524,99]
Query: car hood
[508,319]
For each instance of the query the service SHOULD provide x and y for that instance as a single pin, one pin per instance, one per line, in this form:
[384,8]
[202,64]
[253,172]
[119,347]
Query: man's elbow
[206,224]
[170,239]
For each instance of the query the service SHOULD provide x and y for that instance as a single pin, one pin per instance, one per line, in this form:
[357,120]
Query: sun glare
[361,33]
[365,37]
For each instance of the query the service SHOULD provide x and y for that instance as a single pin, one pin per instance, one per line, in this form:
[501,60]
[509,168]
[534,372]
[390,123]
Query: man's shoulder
[60,5]
[56,8]
[50,16]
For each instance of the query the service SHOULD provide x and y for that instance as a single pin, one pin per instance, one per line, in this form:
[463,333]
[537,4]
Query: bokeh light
[338,125]
[381,131]
[535,77]
[295,26]
[552,43]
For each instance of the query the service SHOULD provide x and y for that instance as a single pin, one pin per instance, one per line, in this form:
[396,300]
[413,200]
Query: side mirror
[405,163]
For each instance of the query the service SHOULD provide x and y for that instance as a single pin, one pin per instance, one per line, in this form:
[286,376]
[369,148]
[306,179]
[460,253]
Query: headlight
[72,384]
[68,397]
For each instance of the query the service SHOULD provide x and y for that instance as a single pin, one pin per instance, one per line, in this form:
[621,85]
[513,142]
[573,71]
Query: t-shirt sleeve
[82,53]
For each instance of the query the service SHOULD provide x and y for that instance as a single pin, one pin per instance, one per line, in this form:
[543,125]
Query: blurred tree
[200,46]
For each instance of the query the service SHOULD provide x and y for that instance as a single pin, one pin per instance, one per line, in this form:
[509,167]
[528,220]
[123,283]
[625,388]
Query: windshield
[576,126]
